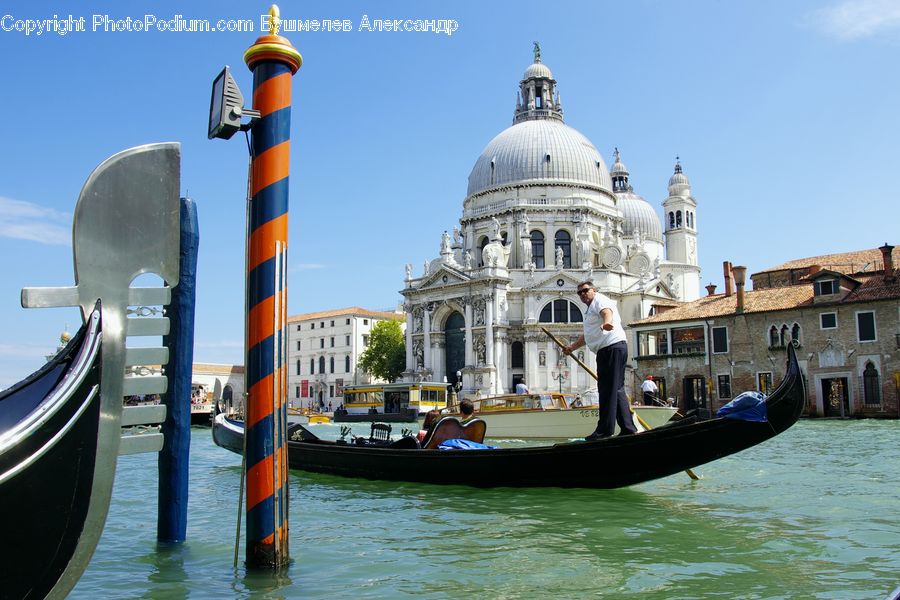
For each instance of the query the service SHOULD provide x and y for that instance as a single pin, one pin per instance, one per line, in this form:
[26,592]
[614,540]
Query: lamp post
[560,376]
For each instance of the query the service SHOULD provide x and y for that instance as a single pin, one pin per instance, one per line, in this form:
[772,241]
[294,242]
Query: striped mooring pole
[273,61]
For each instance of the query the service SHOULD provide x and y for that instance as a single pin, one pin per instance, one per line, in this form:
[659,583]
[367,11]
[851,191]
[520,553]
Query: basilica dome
[637,213]
[539,151]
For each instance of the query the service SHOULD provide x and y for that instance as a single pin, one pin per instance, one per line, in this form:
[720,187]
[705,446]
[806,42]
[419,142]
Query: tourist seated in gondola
[431,419]
[466,409]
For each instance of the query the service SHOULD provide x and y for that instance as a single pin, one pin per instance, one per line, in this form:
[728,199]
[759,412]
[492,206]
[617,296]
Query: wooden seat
[381,432]
[449,428]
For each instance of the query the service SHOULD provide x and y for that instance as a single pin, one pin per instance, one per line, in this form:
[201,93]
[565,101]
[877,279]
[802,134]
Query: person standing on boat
[650,391]
[604,335]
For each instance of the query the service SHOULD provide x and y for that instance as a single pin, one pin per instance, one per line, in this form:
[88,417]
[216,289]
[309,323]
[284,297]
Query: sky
[784,116]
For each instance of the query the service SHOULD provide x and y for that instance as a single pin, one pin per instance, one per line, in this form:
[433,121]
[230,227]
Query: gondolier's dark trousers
[613,401]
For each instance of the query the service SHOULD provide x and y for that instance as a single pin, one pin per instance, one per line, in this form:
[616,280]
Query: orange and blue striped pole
[273,61]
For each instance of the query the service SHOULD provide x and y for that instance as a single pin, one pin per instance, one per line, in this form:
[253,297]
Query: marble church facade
[541,214]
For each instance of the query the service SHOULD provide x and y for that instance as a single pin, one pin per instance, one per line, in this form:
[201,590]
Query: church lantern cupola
[538,98]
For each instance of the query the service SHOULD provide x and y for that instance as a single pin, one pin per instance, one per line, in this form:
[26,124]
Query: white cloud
[306,266]
[27,221]
[850,20]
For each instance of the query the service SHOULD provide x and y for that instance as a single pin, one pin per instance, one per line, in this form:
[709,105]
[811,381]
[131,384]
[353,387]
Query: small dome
[637,213]
[679,184]
[618,168]
[537,70]
[543,152]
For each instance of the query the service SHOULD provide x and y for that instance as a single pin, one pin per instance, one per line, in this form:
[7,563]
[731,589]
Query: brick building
[841,311]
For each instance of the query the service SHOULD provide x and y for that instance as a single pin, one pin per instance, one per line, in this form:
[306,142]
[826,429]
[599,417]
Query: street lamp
[560,376]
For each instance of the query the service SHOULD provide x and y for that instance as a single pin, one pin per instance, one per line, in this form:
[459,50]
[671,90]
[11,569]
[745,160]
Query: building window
[365,321]
[678,218]
[332,323]
[297,391]
[332,342]
[871,385]
[331,365]
[773,337]
[322,343]
[828,321]
[537,249]
[346,364]
[561,311]
[298,345]
[298,327]
[653,342]
[720,340]
[480,258]
[764,382]
[517,355]
[365,341]
[312,366]
[331,391]
[865,327]
[724,386]
[825,287]
[795,335]
[312,325]
[671,220]
[348,321]
[347,340]
[687,340]
[564,241]
[783,336]
[298,367]
[321,364]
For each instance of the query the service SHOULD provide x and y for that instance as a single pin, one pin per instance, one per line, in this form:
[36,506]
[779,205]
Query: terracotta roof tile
[845,262]
[352,311]
[755,301]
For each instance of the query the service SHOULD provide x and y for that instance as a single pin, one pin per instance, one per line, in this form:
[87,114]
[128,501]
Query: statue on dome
[537,52]
[408,271]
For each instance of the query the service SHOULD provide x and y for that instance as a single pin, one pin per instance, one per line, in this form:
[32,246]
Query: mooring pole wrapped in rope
[273,61]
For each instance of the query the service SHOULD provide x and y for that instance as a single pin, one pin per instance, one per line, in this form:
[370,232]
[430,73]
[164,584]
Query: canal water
[813,513]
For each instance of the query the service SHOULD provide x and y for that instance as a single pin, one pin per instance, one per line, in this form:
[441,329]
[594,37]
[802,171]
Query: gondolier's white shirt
[594,336]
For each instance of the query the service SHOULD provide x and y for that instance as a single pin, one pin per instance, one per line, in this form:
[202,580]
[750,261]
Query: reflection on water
[795,517]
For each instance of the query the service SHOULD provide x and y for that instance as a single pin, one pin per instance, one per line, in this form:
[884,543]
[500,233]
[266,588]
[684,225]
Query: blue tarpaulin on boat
[461,444]
[749,406]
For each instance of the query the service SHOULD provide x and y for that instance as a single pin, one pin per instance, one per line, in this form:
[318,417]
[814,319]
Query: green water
[813,513]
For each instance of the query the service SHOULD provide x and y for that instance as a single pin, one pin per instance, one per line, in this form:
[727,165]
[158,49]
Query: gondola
[608,463]
[48,446]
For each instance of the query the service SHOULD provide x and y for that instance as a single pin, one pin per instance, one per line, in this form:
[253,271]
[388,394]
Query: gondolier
[604,335]
[650,390]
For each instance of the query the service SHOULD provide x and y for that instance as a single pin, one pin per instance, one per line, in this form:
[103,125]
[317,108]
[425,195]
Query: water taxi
[391,402]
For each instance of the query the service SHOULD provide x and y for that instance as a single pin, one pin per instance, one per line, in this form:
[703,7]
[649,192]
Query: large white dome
[541,151]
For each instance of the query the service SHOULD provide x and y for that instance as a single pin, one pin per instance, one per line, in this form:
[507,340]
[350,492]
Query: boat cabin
[406,400]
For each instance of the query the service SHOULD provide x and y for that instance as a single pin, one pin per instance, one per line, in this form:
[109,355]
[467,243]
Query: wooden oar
[590,371]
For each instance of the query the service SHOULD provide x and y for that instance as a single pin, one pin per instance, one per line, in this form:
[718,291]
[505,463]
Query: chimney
[711,289]
[726,268]
[886,255]
[739,274]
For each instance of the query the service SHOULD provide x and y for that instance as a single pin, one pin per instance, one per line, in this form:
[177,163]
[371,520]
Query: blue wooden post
[174,457]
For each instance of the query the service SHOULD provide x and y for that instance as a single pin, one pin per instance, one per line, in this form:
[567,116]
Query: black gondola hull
[47,463]
[609,463]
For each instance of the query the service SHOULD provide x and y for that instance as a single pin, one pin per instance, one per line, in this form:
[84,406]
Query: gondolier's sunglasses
[584,291]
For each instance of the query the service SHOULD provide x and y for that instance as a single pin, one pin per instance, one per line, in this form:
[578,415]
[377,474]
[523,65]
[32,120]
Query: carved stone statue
[559,258]
[542,358]
[445,242]
[408,271]
[468,260]
[457,236]
[479,311]
[419,353]
[426,268]
[495,229]
[480,350]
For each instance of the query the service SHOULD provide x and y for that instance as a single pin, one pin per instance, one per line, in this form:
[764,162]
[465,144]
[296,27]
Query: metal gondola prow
[126,224]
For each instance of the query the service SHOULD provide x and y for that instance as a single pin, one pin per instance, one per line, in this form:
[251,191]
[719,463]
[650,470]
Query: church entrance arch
[455,344]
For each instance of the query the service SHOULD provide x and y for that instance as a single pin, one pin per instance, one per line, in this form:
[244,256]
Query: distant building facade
[219,382]
[840,311]
[323,352]
[542,213]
